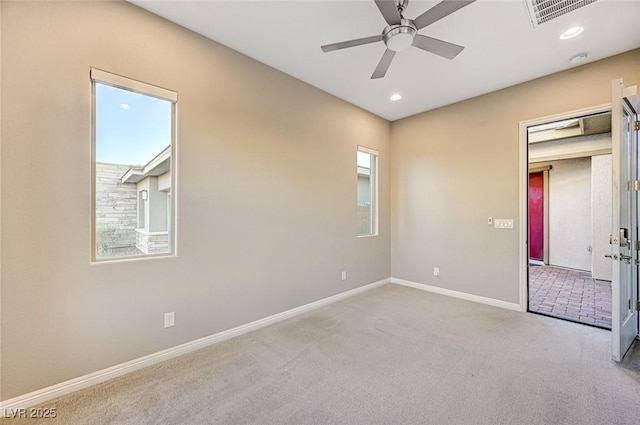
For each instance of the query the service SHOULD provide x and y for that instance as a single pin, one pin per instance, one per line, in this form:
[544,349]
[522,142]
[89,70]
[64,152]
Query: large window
[133,168]
[367,168]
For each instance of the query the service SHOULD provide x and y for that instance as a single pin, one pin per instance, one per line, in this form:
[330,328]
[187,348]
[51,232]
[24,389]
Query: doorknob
[625,257]
[624,237]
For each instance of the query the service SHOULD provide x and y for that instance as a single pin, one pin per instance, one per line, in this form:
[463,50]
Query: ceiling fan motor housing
[399,37]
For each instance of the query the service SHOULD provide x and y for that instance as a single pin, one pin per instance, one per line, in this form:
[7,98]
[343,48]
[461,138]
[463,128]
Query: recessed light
[579,58]
[124,106]
[571,32]
[395,97]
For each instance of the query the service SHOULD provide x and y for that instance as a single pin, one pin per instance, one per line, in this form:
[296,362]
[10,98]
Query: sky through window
[131,128]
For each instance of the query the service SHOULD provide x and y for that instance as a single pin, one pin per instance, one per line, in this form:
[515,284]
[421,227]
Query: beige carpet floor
[393,355]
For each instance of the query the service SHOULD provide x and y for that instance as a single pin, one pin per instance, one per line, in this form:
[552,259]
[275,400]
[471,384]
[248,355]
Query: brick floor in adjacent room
[570,294]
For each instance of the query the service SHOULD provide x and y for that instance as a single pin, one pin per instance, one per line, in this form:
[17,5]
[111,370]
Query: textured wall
[266,193]
[601,210]
[570,213]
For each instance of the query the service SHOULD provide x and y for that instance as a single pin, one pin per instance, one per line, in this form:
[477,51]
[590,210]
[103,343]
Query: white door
[625,235]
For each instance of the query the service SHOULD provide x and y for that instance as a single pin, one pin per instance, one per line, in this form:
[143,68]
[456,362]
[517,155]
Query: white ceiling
[502,48]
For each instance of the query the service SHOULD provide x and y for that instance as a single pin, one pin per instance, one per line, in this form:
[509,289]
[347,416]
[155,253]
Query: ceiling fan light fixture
[571,32]
[399,37]
[400,42]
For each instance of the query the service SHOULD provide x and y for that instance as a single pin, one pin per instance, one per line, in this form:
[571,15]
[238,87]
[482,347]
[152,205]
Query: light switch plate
[503,223]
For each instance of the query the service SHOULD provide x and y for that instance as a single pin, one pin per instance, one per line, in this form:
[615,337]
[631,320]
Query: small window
[133,170]
[367,169]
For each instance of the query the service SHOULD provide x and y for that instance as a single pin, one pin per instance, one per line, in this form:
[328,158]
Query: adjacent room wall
[454,167]
[578,218]
[570,224]
[266,193]
[601,212]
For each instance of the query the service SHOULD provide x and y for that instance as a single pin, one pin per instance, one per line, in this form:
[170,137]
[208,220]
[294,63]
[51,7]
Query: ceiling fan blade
[437,47]
[351,43]
[439,11]
[383,65]
[389,11]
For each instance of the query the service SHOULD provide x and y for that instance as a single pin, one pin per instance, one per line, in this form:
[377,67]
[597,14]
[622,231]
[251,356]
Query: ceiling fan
[402,33]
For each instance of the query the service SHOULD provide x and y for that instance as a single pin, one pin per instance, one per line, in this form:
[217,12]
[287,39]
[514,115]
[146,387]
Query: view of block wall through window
[133,138]
[367,168]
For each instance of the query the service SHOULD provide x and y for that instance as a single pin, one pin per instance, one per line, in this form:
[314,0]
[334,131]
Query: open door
[625,238]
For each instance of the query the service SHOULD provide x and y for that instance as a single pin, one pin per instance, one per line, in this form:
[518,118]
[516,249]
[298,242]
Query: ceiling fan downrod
[401,5]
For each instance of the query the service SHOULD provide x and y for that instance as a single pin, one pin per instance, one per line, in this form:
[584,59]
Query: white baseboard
[72,385]
[456,294]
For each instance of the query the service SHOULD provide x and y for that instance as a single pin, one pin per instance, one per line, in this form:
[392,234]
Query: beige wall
[266,193]
[455,166]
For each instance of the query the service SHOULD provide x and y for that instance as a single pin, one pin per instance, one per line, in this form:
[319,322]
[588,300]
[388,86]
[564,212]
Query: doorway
[569,218]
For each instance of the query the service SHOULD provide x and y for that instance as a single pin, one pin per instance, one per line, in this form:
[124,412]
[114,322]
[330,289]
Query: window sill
[146,232]
[97,261]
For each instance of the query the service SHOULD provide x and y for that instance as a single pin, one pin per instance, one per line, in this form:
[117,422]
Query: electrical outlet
[169,319]
[344,275]
[436,271]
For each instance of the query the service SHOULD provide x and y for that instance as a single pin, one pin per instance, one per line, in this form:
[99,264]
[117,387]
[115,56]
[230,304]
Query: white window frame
[124,83]
[374,195]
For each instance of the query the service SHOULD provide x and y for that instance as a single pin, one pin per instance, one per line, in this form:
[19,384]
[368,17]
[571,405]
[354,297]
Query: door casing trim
[523,153]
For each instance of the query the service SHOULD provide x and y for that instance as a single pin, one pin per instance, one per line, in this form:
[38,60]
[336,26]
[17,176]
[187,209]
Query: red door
[536,216]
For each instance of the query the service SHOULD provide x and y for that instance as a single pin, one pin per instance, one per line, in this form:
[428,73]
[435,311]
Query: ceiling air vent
[541,11]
